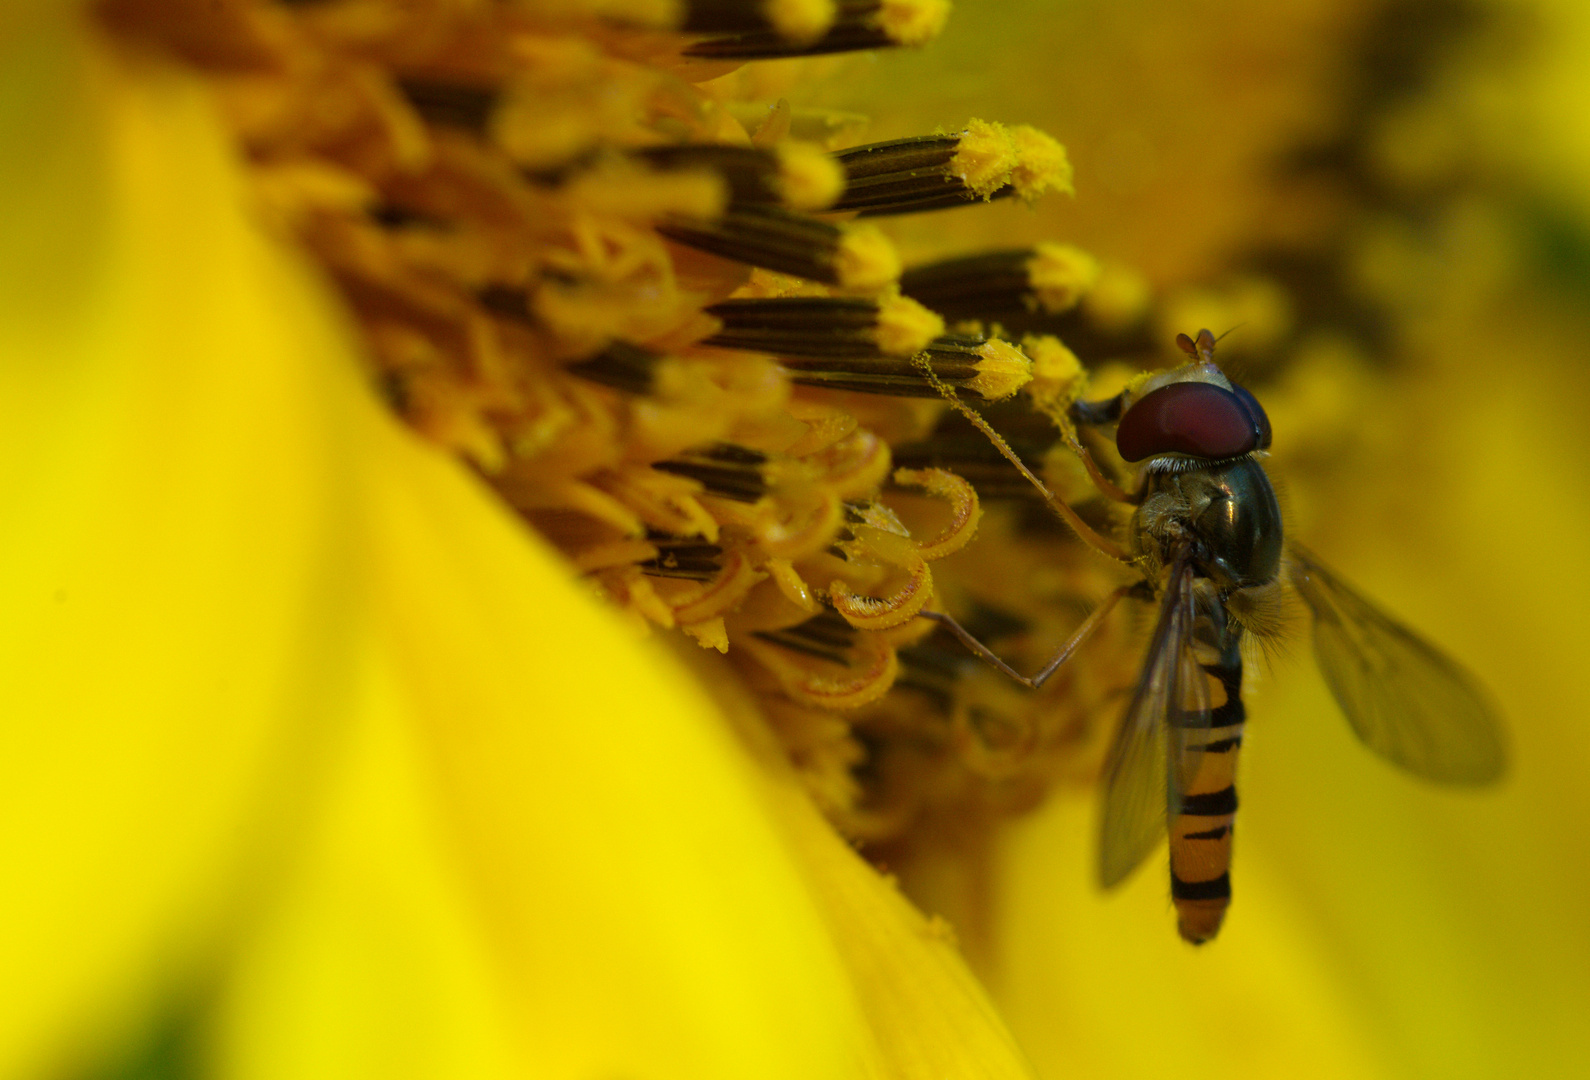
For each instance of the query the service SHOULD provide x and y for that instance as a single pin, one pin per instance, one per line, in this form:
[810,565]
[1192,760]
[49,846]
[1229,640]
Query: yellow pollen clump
[913,22]
[1003,370]
[625,191]
[1058,377]
[866,260]
[1060,274]
[571,100]
[985,157]
[710,634]
[1119,298]
[800,21]
[1052,363]
[1041,165]
[905,326]
[808,179]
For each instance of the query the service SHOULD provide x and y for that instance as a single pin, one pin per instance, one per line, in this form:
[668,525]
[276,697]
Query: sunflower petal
[174,566]
[426,811]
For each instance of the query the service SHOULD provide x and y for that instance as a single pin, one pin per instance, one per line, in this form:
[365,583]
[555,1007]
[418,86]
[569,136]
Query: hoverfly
[1206,536]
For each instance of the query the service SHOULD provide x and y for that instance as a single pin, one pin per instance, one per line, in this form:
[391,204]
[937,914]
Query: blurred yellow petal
[298,716]
[176,570]
[639,911]
[926,1014]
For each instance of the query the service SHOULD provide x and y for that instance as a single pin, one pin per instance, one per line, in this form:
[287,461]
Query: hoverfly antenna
[1203,346]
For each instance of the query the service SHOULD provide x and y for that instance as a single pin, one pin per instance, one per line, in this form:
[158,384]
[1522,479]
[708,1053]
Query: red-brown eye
[1261,421]
[1194,418]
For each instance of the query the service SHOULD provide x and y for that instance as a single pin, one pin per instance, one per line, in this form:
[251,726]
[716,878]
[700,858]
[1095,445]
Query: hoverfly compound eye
[1194,418]
[1261,422]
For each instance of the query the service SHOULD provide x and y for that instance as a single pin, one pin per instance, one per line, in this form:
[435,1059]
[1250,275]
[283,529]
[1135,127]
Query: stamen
[965,511]
[996,286]
[885,612]
[687,557]
[453,105]
[867,662]
[857,24]
[931,670]
[507,301]
[986,161]
[808,179]
[793,174]
[794,21]
[725,470]
[825,635]
[852,258]
[984,369]
[622,366]
[826,326]
[1041,164]
[712,599]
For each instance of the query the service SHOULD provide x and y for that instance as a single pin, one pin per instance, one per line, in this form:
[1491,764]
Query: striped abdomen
[1200,834]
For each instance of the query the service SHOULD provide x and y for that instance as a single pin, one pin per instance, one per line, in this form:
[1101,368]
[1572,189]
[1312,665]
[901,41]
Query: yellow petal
[172,568]
[1100,985]
[620,880]
[274,668]
[925,1012]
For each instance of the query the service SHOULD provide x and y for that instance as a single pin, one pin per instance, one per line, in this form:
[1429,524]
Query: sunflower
[393,388]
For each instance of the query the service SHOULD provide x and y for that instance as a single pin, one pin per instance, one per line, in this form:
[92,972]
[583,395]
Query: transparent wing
[1142,785]
[1406,700]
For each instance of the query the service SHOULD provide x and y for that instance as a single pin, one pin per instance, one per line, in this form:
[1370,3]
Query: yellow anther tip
[1003,370]
[866,260]
[913,22]
[1052,362]
[985,157]
[1060,275]
[808,179]
[1041,165]
[905,327]
[800,21]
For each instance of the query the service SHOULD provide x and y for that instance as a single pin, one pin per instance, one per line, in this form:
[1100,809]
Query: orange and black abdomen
[1200,833]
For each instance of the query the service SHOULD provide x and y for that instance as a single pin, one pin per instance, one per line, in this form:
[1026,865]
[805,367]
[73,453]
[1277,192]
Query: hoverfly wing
[1143,774]
[1407,701]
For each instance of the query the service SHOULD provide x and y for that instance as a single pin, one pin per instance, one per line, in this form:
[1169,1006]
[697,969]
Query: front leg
[1089,626]
[1091,415]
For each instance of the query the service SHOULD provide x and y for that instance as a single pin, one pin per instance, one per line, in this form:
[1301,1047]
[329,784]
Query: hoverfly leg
[1093,414]
[981,651]
[1107,487]
[1089,627]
